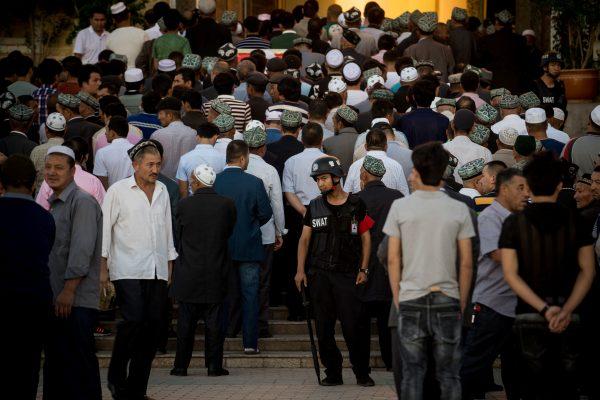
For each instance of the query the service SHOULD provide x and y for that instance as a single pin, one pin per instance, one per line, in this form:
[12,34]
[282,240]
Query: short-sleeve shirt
[89,44]
[296,175]
[429,225]
[169,42]
[202,154]
[547,238]
[113,161]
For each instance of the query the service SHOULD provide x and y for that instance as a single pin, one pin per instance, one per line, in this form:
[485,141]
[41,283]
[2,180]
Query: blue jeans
[432,320]
[249,286]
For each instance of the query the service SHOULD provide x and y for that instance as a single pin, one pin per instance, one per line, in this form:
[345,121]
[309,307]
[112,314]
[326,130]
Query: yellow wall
[393,8]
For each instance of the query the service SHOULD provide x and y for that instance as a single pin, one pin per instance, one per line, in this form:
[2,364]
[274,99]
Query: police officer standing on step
[336,240]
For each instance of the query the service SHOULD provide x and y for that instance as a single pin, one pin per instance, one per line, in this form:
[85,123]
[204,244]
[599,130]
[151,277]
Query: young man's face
[517,193]
[165,117]
[178,81]
[487,182]
[98,21]
[92,85]
[324,182]
[554,69]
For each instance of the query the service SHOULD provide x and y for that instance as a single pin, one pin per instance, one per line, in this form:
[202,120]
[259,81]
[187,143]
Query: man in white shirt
[112,163]
[138,253]
[376,146]
[461,146]
[272,232]
[126,40]
[551,131]
[92,40]
[203,153]
[509,111]
[176,138]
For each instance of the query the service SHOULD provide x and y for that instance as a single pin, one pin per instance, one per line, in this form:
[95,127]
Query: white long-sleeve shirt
[393,178]
[137,235]
[270,178]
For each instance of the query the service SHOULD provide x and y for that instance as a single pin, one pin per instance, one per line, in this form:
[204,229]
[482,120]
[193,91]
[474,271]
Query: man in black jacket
[376,293]
[200,280]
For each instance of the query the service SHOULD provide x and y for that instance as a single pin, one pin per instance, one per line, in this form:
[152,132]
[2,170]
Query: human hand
[300,279]
[551,312]
[361,278]
[104,277]
[560,322]
[64,302]
[278,243]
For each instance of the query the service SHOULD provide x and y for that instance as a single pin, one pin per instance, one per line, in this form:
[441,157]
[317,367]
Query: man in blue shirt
[147,120]
[26,238]
[245,244]
[423,124]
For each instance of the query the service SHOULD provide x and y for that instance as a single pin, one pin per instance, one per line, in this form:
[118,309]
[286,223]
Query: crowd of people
[400,169]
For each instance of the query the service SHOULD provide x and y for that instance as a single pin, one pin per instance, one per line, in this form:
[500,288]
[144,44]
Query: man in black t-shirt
[549,88]
[548,260]
[336,239]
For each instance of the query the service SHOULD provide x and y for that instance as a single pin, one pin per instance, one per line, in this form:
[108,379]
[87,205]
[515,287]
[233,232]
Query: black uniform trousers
[293,300]
[187,321]
[142,304]
[23,346]
[334,296]
[70,366]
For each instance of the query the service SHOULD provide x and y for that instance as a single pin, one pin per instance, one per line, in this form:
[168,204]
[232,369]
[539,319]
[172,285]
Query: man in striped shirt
[253,40]
[285,92]
[240,110]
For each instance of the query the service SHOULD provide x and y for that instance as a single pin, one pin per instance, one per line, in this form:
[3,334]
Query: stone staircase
[288,348]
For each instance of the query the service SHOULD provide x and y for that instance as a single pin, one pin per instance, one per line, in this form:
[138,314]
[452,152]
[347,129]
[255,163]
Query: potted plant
[576,26]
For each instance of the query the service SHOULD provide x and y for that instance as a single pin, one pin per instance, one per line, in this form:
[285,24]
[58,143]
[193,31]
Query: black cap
[258,79]
[169,103]
[351,36]
[276,65]
[326,165]
[464,120]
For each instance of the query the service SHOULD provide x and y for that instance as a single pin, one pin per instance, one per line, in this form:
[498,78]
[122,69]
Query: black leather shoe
[365,381]
[332,381]
[178,372]
[218,372]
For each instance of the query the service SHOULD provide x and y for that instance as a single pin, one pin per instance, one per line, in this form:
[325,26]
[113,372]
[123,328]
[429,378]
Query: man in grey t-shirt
[427,232]
[494,302]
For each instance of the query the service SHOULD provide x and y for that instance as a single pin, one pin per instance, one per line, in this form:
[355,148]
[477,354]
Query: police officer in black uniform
[549,88]
[336,240]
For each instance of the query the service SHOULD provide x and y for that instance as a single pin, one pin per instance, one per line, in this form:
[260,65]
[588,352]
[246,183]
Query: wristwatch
[365,271]
[542,312]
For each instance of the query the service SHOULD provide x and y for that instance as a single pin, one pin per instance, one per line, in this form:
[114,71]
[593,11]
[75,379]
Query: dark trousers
[489,336]
[24,341]
[70,367]
[265,289]
[334,296]
[381,311]
[142,304]
[550,360]
[293,299]
[187,320]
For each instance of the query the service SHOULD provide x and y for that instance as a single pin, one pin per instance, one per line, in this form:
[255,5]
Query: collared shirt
[76,250]
[510,121]
[296,175]
[86,181]
[270,178]
[221,145]
[137,234]
[134,135]
[239,110]
[41,95]
[176,139]
[38,157]
[89,44]
[394,177]
[202,154]
[491,289]
[472,193]
[113,161]
[465,150]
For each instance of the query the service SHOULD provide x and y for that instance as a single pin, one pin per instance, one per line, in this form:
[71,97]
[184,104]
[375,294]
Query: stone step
[237,359]
[276,327]
[277,343]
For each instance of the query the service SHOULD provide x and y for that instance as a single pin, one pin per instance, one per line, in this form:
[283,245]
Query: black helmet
[552,56]
[326,165]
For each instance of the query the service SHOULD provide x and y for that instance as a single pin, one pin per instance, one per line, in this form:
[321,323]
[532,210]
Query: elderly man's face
[596,185]
[583,194]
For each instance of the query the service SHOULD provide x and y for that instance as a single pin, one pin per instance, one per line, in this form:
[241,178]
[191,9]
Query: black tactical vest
[335,243]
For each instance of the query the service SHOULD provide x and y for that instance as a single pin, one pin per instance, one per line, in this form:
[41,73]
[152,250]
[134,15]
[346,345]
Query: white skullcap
[134,75]
[559,113]
[448,114]
[409,74]
[273,115]
[166,65]
[529,32]
[535,115]
[206,6]
[595,115]
[264,17]
[375,121]
[205,174]
[337,85]
[351,72]
[373,80]
[56,122]
[61,150]
[117,8]
[253,124]
[334,58]
[508,136]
